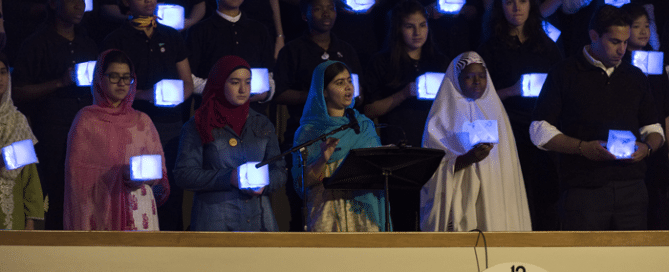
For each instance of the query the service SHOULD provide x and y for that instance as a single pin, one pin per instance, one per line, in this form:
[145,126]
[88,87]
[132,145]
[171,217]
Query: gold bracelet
[650,149]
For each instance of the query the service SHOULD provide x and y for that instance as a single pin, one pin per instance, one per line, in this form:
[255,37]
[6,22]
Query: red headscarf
[216,111]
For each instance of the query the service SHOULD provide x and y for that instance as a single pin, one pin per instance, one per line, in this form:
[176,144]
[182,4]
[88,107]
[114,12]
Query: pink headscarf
[120,114]
[100,143]
[216,111]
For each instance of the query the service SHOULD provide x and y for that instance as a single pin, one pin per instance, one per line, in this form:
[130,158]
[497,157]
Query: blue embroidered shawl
[316,121]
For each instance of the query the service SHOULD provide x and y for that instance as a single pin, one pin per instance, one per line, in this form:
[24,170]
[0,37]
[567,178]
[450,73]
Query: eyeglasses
[114,78]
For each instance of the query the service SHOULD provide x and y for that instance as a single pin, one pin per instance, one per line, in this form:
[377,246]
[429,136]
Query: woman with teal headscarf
[330,95]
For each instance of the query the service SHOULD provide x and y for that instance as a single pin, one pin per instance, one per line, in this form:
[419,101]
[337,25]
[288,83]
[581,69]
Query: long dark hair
[635,10]
[5,60]
[395,41]
[608,16]
[332,71]
[533,30]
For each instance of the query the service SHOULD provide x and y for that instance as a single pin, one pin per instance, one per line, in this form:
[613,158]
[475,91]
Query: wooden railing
[334,240]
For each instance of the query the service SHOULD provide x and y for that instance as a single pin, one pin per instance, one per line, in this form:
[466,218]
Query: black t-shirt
[411,114]
[46,56]
[261,11]
[574,27]
[506,65]
[155,58]
[295,66]
[659,87]
[361,31]
[216,37]
[658,167]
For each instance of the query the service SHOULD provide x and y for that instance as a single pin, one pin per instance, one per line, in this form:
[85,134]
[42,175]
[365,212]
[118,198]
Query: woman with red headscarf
[224,134]
[99,195]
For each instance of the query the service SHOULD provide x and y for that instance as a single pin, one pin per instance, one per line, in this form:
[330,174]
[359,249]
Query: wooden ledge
[333,240]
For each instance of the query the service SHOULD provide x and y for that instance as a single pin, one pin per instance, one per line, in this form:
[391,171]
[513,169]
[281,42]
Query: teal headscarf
[316,121]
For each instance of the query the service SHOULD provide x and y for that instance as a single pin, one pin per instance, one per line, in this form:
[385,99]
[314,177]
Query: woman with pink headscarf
[99,195]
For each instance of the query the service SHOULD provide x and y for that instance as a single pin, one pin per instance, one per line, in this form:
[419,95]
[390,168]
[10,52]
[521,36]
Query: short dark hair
[117,56]
[608,16]
[332,71]
[635,10]
[304,5]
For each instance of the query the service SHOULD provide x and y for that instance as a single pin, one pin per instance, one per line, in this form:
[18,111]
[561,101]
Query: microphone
[401,143]
[353,122]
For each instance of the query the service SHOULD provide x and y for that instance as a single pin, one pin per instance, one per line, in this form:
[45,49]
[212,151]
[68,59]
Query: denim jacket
[206,170]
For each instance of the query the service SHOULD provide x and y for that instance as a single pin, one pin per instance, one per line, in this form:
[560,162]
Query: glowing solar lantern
[169,92]
[146,167]
[19,154]
[617,3]
[451,6]
[251,177]
[171,15]
[89,5]
[428,85]
[531,84]
[360,6]
[259,80]
[551,31]
[621,143]
[650,62]
[84,72]
[480,131]
[356,85]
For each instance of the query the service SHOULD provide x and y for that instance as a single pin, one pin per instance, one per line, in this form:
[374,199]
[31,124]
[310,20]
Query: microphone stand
[303,160]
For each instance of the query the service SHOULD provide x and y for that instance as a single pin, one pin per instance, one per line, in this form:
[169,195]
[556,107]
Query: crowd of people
[330,65]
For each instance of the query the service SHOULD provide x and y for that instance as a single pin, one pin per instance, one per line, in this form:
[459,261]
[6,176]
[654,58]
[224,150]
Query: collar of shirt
[597,63]
[79,33]
[230,18]
[158,30]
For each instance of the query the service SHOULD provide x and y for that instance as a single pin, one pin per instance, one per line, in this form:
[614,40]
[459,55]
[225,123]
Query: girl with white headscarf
[474,188]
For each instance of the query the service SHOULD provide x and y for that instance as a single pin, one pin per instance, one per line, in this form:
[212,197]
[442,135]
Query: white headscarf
[497,179]
[13,128]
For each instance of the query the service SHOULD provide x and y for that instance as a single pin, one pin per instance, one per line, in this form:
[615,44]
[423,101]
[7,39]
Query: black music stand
[383,168]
